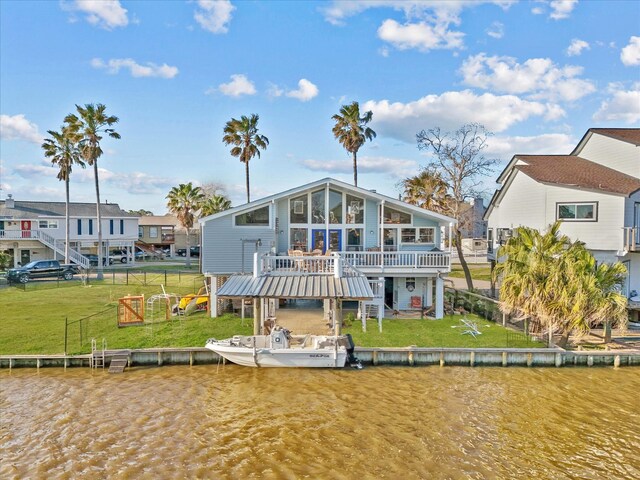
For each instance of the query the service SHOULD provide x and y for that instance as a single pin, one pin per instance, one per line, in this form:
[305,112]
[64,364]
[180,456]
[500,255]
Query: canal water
[231,422]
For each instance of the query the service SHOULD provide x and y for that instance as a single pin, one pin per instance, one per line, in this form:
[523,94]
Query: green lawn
[33,321]
[478,272]
[434,333]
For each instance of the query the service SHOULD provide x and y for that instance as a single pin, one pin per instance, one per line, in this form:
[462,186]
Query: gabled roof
[158,220]
[629,135]
[362,192]
[576,172]
[27,209]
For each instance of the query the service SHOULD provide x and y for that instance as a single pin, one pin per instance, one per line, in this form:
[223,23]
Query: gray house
[36,230]
[394,244]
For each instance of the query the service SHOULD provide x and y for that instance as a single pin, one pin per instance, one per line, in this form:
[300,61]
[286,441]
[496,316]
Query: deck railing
[345,264]
[409,260]
[57,245]
[631,239]
[307,264]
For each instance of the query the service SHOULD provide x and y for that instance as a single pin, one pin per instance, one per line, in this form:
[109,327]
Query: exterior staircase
[58,247]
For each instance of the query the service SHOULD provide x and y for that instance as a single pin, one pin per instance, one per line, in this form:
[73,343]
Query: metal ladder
[97,357]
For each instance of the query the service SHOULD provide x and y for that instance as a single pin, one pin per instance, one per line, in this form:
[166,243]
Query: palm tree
[184,201]
[62,149]
[214,204]
[558,284]
[351,131]
[91,125]
[427,190]
[243,135]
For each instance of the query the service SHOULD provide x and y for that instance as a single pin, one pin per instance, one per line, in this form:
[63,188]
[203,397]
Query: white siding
[523,204]
[612,153]
[606,233]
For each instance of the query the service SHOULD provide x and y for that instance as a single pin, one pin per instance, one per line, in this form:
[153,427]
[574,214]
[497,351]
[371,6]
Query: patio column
[429,291]
[439,298]
[213,298]
[257,315]
[337,317]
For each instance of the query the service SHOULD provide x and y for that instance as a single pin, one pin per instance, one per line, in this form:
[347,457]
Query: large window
[395,216]
[47,224]
[390,238]
[317,207]
[254,218]
[577,212]
[417,235]
[153,232]
[355,209]
[299,239]
[298,209]
[335,207]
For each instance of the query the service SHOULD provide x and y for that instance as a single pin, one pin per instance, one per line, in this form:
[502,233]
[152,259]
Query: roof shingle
[576,172]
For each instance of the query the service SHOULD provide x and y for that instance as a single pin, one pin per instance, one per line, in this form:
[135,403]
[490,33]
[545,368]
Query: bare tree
[458,159]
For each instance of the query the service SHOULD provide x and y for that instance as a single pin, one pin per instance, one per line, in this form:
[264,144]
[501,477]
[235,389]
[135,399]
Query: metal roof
[297,286]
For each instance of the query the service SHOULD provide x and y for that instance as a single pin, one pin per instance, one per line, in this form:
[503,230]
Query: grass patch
[477,272]
[435,333]
[33,322]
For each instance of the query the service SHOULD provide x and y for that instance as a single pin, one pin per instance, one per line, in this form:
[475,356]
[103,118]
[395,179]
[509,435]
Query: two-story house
[393,243]
[164,232]
[594,192]
[36,230]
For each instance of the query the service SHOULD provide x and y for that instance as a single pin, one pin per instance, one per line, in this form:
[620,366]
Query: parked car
[119,256]
[41,269]
[195,251]
[93,260]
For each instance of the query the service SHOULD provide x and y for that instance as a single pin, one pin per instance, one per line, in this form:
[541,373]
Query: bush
[5,260]
[348,319]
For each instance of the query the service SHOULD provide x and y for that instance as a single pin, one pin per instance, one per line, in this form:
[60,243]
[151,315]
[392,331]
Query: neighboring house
[165,232]
[594,191]
[36,230]
[472,222]
[401,254]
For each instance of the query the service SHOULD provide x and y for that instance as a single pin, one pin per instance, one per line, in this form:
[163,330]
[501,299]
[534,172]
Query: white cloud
[106,14]
[17,127]
[448,10]
[562,8]
[537,10]
[622,106]
[397,167]
[496,30]
[630,55]
[545,144]
[114,65]
[576,47]
[274,91]
[538,77]
[238,86]
[452,109]
[421,36]
[214,15]
[430,31]
[305,92]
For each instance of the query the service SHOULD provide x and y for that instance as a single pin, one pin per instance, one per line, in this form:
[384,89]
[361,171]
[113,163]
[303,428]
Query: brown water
[379,423]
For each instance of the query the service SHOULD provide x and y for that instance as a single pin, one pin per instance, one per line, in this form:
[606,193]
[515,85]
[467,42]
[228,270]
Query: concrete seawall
[505,357]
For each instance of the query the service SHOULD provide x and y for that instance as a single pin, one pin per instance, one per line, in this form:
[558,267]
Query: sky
[536,74]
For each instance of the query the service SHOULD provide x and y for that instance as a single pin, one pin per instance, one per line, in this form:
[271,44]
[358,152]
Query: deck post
[257,315]
[439,298]
[429,291]
[337,316]
[213,297]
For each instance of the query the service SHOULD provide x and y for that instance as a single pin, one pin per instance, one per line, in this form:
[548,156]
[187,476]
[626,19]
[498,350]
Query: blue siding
[283,225]
[221,245]
[371,224]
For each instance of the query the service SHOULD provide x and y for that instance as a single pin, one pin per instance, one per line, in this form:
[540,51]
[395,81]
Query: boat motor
[353,361]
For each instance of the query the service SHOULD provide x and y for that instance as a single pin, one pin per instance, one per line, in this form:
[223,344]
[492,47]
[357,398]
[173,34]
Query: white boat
[281,349]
